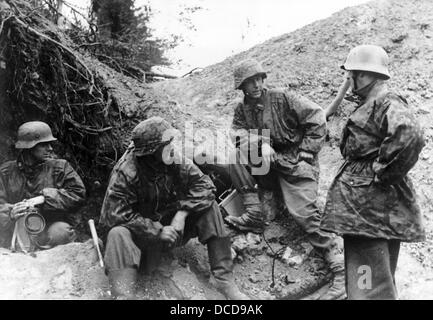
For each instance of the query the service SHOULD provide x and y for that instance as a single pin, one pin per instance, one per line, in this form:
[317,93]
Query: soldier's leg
[56,233]
[60,233]
[122,259]
[210,229]
[245,183]
[394,250]
[369,272]
[300,196]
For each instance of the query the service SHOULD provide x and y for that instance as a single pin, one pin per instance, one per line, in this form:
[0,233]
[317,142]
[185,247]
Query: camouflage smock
[18,182]
[295,123]
[372,195]
[139,196]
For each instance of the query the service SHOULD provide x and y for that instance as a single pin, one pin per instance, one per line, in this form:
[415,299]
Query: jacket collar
[375,91]
[27,166]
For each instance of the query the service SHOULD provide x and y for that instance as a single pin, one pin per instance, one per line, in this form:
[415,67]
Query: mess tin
[232,203]
[34,223]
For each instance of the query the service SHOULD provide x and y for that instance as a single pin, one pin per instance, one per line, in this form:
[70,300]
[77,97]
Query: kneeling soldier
[149,203]
[36,173]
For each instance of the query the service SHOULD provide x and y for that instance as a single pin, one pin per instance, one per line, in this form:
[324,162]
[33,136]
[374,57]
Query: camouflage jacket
[142,198]
[372,195]
[295,124]
[17,183]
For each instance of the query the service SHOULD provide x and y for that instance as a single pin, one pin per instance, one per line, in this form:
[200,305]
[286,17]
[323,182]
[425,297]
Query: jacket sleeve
[402,145]
[72,193]
[200,189]
[312,119]
[120,208]
[5,207]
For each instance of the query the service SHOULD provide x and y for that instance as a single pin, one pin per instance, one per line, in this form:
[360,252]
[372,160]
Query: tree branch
[92,80]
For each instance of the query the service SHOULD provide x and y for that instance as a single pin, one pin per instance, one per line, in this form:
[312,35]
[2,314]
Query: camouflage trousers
[55,233]
[299,194]
[123,250]
[370,266]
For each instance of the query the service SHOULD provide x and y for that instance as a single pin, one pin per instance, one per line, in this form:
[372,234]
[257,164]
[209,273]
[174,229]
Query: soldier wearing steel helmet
[152,204]
[35,172]
[372,202]
[297,131]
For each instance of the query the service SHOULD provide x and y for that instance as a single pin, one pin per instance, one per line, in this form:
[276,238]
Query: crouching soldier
[36,173]
[372,202]
[296,130]
[150,204]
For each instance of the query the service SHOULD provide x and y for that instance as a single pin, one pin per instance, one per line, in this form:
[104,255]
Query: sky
[227,27]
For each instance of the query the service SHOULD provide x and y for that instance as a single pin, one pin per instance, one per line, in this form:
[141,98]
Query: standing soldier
[150,204]
[371,201]
[297,130]
[36,173]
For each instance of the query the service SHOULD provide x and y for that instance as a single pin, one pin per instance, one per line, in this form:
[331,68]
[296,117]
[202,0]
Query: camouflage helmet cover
[247,69]
[150,134]
[33,132]
[368,58]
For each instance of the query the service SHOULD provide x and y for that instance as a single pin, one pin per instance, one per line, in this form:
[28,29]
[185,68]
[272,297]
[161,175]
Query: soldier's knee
[60,233]
[118,233]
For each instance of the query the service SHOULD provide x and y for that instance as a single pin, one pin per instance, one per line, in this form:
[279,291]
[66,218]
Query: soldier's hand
[169,235]
[18,210]
[268,155]
[49,192]
[347,81]
[306,156]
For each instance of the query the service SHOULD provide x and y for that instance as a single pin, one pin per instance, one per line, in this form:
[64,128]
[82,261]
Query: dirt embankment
[307,61]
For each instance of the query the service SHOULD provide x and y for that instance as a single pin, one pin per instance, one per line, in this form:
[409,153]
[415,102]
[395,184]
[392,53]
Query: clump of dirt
[64,272]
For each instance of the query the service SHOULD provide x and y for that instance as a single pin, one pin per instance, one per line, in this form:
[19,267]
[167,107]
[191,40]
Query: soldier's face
[42,151]
[253,86]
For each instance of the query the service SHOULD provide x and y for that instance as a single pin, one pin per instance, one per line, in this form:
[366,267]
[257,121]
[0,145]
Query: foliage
[125,41]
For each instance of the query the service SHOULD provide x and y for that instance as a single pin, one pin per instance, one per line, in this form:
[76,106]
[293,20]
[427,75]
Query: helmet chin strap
[28,158]
[363,92]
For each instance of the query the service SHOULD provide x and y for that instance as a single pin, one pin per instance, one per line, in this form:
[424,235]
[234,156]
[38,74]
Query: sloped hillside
[307,60]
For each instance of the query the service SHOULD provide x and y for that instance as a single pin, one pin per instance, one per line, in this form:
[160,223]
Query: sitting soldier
[36,173]
[150,204]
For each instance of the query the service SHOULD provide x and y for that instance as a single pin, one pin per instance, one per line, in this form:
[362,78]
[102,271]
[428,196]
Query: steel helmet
[33,132]
[247,69]
[150,134]
[368,58]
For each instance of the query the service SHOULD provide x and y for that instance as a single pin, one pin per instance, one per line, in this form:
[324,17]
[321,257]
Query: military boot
[221,265]
[253,219]
[335,259]
[122,283]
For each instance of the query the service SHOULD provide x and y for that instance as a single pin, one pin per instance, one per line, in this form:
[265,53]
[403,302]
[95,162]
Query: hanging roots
[50,82]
